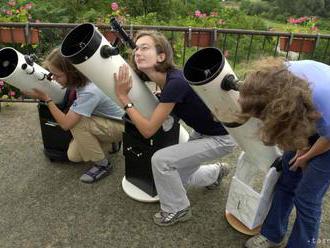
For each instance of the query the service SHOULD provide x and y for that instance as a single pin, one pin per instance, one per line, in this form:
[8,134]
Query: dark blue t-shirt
[188,106]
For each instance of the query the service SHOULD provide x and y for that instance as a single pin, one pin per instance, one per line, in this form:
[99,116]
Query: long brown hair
[75,78]
[162,46]
[282,101]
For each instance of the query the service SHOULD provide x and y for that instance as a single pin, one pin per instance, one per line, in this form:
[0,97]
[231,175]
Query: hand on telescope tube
[123,84]
[37,94]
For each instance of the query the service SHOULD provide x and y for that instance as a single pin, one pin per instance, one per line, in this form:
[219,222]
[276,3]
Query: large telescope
[98,60]
[212,78]
[21,72]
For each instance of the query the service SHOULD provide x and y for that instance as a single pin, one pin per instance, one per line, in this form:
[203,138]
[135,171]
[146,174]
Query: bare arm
[322,145]
[66,121]
[147,127]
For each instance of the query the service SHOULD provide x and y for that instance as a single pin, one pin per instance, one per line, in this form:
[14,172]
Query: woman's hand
[123,84]
[37,94]
[299,160]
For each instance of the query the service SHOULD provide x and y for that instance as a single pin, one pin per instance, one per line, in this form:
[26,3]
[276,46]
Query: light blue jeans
[304,190]
[179,166]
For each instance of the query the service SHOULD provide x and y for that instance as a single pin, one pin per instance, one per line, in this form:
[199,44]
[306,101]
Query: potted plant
[17,11]
[203,38]
[300,25]
[7,91]
[116,12]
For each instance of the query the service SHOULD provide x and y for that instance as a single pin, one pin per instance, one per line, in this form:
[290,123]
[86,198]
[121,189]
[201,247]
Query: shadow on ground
[43,204]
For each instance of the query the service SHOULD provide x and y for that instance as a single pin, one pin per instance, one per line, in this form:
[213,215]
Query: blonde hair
[282,101]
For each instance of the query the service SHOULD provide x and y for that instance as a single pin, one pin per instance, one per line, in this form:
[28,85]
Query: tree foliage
[285,8]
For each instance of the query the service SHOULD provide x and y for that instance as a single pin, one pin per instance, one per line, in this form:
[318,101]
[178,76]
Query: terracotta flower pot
[199,39]
[110,36]
[17,35]
[297,45]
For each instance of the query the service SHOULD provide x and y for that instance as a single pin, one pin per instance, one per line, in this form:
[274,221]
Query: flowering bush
[304,24]
[15,11]
[212,19]
[116,11]
[7,91]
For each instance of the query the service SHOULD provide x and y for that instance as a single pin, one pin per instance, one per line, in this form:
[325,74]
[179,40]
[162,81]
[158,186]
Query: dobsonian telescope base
[136,193]
[138,182]
[239,226]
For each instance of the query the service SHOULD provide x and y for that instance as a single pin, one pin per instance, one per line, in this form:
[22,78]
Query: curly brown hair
[162,46]
[75,78]
[282,101]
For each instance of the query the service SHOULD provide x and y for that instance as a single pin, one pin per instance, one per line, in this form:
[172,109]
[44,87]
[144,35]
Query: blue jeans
[304,190]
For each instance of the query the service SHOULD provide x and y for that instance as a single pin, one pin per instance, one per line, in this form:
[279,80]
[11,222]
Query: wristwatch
[128,105]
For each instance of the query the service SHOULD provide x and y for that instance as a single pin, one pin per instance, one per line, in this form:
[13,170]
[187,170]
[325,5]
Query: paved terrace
[43,204]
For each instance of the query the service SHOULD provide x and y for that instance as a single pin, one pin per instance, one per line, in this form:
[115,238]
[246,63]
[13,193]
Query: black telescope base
[55,140]
[138,152]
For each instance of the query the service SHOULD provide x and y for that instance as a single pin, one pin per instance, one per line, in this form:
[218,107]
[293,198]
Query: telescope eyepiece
[108,51]
[229,82]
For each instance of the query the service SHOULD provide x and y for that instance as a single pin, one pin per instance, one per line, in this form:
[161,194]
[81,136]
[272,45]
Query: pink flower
[12,93]
[2,83]
[198,13]
[28,6]
[314,29]
[12,3]
[8,12]
[114,6]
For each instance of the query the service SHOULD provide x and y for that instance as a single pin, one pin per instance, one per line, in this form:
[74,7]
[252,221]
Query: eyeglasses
[142,48]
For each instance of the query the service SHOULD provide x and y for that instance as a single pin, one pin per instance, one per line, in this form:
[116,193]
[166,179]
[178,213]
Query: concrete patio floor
[43,204]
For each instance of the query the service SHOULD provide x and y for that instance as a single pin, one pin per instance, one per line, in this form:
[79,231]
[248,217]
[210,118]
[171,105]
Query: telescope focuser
[29,69]
[108,51]
[117,27]
[229,82]
[30,59]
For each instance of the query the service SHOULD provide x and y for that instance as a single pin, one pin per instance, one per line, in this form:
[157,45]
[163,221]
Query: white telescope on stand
[212,78]
[21,72]
[98,60]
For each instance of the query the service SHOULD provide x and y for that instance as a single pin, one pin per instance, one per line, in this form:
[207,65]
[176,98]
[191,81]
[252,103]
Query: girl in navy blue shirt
[179,166]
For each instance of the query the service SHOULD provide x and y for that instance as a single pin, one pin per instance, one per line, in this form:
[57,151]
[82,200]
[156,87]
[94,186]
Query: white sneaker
[223,171]
[260,241]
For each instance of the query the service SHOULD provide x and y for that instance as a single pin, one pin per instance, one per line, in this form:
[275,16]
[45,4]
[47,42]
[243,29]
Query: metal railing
[239,46]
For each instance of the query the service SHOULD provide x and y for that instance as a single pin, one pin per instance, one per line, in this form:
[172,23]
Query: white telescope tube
[15,70]
[205,71]
[93,55]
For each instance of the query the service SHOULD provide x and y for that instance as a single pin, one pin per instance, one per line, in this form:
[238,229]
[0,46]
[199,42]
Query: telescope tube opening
[8,62]
[81,43]
[204,66]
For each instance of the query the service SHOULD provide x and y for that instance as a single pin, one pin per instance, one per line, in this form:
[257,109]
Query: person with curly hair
[291,98]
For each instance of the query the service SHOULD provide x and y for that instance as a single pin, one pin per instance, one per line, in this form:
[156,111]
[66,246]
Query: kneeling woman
[93,118]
